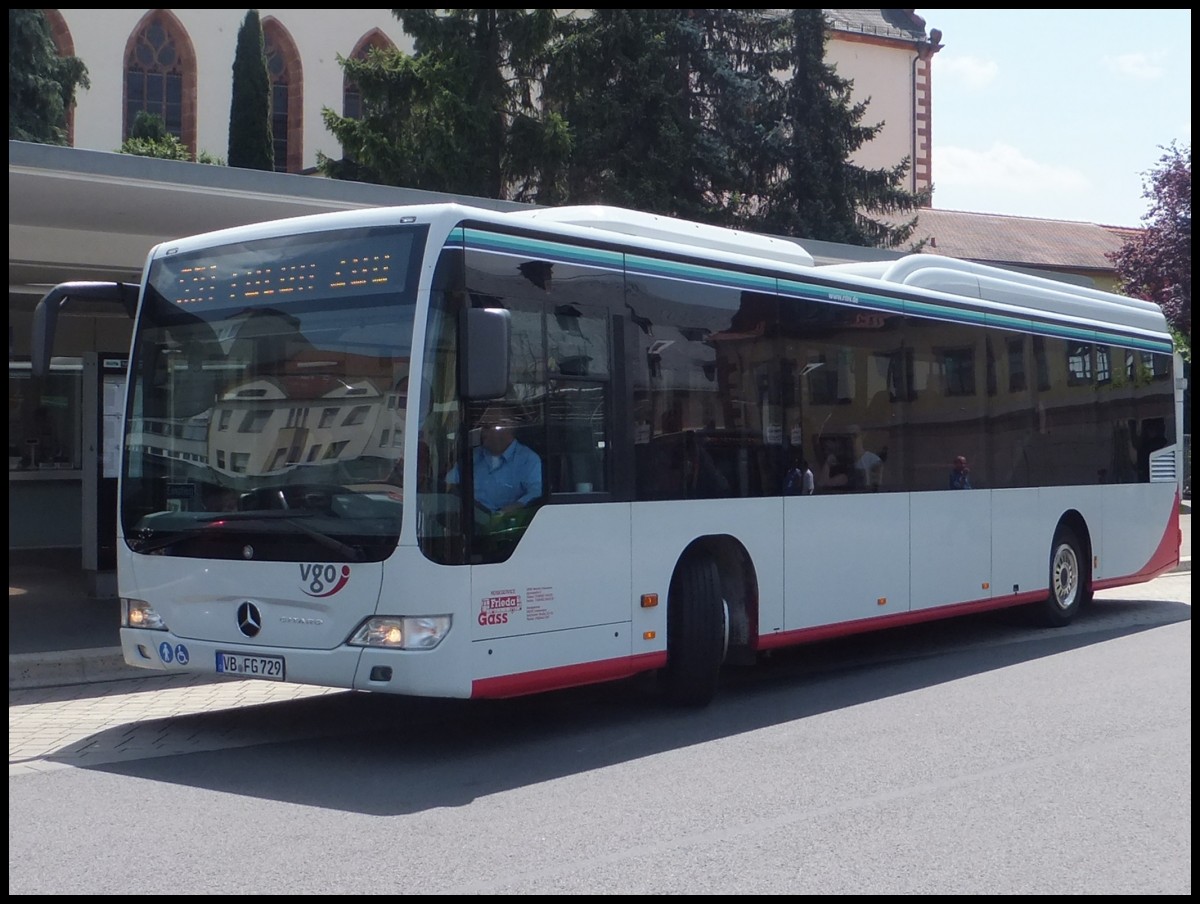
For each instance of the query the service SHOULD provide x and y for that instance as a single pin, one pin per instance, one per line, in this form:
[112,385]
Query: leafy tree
[149,137]
[456,116]
[251,144]
[1156,265]
[41,84]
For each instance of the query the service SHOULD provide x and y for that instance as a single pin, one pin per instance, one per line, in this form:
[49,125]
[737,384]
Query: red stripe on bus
[567,676]
[899,619]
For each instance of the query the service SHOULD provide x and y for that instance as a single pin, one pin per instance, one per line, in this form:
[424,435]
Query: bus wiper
[291,518]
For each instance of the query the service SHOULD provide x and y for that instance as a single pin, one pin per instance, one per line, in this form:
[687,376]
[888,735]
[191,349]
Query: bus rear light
[396,632]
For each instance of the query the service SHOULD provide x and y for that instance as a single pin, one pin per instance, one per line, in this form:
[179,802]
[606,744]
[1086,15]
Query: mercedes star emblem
[249,619]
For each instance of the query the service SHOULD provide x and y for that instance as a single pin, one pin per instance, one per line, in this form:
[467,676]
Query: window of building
[358,415]
[958,371]
[287,99]
[1079,364]
[351,95]
[160,76]
[255,421]
[1103,364]
[1041,363]
[1016,365]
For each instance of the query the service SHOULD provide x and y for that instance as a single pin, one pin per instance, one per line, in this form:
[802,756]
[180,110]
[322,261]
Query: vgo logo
[322,580]
[495,609]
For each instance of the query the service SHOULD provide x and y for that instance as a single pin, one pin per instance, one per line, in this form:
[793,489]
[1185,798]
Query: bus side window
[578,443]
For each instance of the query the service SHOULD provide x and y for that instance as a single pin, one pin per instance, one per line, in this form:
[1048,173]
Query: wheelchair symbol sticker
[181,654]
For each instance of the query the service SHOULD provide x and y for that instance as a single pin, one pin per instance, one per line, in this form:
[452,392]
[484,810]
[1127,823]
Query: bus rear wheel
[696,633]
[1069,580]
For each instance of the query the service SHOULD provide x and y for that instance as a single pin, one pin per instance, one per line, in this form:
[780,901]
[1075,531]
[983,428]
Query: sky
[1057,113]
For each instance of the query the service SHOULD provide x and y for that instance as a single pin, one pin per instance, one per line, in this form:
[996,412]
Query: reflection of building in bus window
[868,465]
[216,498]
[703,476]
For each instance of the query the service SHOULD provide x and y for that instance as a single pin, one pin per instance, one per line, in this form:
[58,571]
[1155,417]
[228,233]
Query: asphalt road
[978,756]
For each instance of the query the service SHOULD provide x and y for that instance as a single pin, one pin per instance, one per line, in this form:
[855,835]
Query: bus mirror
[45,315]
[484,346]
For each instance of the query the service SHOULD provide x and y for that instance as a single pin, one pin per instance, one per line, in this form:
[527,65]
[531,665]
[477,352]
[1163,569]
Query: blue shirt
[513,476]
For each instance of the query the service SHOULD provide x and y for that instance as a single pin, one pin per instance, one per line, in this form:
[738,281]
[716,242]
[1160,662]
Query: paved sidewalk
[114,721]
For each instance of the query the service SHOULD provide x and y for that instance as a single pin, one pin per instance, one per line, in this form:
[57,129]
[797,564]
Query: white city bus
[306,399]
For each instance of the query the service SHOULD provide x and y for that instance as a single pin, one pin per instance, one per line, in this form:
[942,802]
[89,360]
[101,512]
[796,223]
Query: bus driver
[508,474]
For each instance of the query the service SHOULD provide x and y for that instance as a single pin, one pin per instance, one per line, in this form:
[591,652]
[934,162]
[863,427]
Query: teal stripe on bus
[716,276]
[565,252]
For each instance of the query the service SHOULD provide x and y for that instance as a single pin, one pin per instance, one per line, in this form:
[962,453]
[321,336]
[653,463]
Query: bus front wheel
[1069,580]
[696,633]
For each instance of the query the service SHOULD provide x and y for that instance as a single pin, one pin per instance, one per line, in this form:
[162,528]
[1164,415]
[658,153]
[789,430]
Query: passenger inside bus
[960,474]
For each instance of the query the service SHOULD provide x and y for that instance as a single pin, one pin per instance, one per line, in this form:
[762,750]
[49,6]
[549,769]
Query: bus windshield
[269,386]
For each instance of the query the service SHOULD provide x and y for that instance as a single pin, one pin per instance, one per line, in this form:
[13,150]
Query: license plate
[269,668]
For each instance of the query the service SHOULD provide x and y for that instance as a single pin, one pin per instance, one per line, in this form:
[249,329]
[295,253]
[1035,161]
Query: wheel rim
[1065,576]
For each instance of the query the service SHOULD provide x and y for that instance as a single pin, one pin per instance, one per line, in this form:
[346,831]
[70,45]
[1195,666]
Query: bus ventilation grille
[1162,470]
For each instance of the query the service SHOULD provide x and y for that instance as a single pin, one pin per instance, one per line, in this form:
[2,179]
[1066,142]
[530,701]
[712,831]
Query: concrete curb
[34,670]
[92,666]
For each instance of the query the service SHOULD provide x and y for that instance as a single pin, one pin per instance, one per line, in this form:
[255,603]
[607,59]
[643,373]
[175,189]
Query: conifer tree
[807,184]
[619,81]
[251,144]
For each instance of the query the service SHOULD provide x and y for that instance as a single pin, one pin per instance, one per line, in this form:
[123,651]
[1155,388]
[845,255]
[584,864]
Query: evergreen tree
[805,183]
[456,116]
[645,93]
[41,84]
[251,144]
[683,112]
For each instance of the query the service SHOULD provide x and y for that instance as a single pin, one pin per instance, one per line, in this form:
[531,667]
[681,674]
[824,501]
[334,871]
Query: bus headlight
[397,632]
[140,614]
